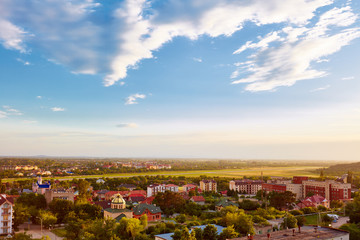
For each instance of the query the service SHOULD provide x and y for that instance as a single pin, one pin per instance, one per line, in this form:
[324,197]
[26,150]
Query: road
[340,221]
[35,231]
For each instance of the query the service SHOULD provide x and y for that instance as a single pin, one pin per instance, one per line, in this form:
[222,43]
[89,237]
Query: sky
[246,79]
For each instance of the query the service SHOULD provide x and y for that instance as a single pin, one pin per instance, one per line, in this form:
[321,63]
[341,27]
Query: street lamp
[40,225]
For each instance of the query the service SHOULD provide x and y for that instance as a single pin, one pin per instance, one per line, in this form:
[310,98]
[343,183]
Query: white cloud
[3,114]
[39,97]
[58,109]
[30,121]
[132,99]
[320,88]
[289,61]
[26,63]
[127,125]
[348,78]
[11,111]
[70,34]
[197,59]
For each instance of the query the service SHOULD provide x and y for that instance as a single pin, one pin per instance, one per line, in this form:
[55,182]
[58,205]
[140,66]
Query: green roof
[118,218]
[225,203]
[139,209]
[114,210]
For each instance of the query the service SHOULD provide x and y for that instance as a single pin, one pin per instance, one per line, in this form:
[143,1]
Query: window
[5,224]
[6,218]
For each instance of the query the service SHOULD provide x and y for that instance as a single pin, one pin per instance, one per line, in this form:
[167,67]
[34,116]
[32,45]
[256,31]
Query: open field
[233,173]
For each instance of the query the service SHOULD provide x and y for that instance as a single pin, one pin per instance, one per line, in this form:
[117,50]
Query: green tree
[198,233]
[21,214]
[281,200]
[353,229]
[87,211]
[180,218]
[99,229]
[242,222]
[210,232]
[228,233]
[129,228]
[169,202]
[289,221]
[21,236]
[60,208]
[301,220]
[353,210]
[48,219]
[144,220]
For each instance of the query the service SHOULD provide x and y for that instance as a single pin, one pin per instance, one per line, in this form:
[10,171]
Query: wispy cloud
[127,125]
[26,63]
[320,88]
[11,111]
[58,109]
[39,97]
[3,114]
[197,59]
[289,58]
[132,99]
[348,78]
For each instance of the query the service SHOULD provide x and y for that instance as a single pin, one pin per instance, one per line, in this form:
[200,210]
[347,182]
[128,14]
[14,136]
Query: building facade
[329,189]
[65,194]
[246,186]
[208,185]
[6,215]
[152,212]
[273,187]
[154,189]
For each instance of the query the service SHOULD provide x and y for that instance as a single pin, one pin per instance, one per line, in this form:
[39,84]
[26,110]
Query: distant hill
[343,168]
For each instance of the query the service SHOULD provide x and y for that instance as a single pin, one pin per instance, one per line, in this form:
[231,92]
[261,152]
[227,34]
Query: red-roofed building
[189,187]
[314,201]
[149,200]
[198,200]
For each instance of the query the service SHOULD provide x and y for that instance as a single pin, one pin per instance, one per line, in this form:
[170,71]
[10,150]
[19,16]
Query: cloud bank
[73,33]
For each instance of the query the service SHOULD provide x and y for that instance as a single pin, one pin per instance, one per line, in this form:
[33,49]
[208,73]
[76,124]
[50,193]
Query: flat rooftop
[307,233]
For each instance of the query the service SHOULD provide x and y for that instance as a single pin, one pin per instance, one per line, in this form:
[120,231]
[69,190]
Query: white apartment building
[154,189]
[6,215]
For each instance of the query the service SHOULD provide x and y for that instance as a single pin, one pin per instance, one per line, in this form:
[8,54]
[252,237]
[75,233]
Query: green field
[233,173]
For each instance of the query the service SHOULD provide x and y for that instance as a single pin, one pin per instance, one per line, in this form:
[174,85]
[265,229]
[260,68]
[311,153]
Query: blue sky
[222,79]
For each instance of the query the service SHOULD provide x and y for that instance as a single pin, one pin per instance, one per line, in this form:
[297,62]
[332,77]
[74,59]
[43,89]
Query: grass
[231,173]
[60,232]
[311,219]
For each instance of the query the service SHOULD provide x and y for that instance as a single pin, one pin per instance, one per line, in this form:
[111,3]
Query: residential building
[273,187]
[223,203]
[297,189]
[208,185]
[198,200]
[154,189]
[6,215]
[329,189]
[66,194]
[189,187]
[245,186]
[153,213]
[299,179]
[314,201]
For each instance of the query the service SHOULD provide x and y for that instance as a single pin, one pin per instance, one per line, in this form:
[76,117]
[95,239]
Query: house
[314,201]
[6,215]
[189,187]
[223,203]
[153,213]
[100,181]
[100,194]
[198,200]
[148,200]
[117,209]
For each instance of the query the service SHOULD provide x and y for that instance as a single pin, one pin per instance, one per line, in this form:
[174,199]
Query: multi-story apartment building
[245,186]
[272,187]
[299,179]
[6,215]
[329,189]
[297,189]
[208,185]
[153,189]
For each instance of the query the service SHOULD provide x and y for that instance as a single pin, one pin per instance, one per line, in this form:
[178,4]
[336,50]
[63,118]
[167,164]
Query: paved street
[35,231]
[341,221]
